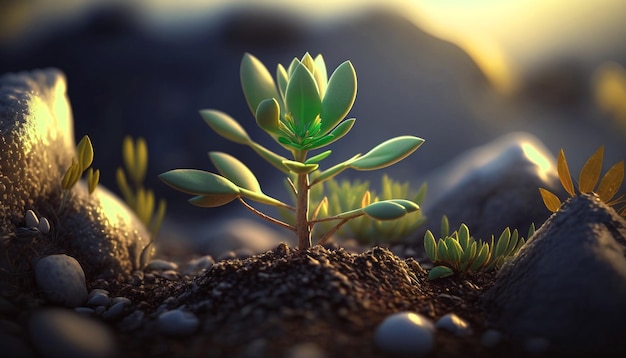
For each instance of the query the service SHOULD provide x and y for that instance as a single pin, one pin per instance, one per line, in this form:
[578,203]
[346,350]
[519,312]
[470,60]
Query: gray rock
[178,323]
[567,285]
[405,333]
[454,324]
[64,333]
[61,280]
[36,147]
[492,187]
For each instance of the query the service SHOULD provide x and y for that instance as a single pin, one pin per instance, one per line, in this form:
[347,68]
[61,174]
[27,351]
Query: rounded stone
[64,333]
[61,280]
[454,324]
[405,333]
[178,323]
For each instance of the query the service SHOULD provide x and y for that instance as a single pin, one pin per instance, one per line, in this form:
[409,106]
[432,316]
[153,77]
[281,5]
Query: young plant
[79,165]
[587,180]
[140,200]
[302,111]
[346,195]
[460,253]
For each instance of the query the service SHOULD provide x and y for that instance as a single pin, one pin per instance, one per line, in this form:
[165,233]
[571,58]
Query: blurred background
[457,73]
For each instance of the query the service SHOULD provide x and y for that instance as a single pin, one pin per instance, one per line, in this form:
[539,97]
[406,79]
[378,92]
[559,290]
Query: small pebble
[98,299]
[161,265]
[126,301]
[405,333]
[114,312]
[199,264]
[178,323]
[453,323]
[61,279]
[86,311]
[132,321]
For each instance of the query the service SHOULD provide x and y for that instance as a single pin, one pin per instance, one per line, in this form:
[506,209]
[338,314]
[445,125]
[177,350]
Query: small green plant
[587,180]
[336,197]
[460,253]
[304,112]
[139,199]
[79,165]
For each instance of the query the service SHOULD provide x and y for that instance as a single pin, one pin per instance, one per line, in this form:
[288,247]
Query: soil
[321,301]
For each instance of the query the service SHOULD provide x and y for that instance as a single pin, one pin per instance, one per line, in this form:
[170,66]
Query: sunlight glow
[544,166]
[609,82]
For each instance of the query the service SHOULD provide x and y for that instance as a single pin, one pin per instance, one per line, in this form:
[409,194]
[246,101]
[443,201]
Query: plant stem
[303,231]
[266,217]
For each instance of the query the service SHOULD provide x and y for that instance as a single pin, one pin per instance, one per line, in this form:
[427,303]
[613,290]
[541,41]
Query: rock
[454,324]
[178,323]
[36,147]
[405,333]
[64,333]
[567,285]
[492,187]
[61,280]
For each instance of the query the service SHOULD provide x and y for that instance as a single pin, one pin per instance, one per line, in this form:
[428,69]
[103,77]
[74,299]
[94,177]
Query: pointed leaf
[408,205]
[317,158]
[385,210]
[262,198]
[302,98]
[282,78]
[445,226]
[387,153]
[320,74]
[442,250]
[551,201]
[503,242]
[440,272]
[481,257]
[85,153]
[71,176]
[93,177]
[339,132]
[256,81]
[235,171]
[339,96]
[430,246]
[590,173]
[225,126]
[213,200]
[198,182]
[334,170]
[611,182]
[271,157]
[366,199]
[564,175]
[464,236]
[141,160]
[454,251]
[300,168]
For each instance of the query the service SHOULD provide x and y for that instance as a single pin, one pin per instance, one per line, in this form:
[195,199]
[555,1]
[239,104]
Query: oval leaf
[564,174]
[85,153]
[268,115]
[225,126]
[302,98]
[212,200]
[235,171]
[300,168]
[430,246]
[320,74]
[590,173]
[551,201]
[408,205]
[384,210]
[339,97]
[319,157]
[141,160]
[440,272]
[611,182]
[271,157]
[256,81]
[262,198]
[387,153]
[198,182]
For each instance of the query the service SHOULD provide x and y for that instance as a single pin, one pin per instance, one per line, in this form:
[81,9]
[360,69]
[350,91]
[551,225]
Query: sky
[506,38]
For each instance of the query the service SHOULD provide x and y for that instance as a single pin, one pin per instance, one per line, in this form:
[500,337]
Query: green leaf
[271,157]
[408,205]
[503,242]
[454,250]
[430,246]
[300,168]
[339,132]
[464,236]
[262,198]
[282,78]
[551,201]
[339,96]
[611,182]
[387,153]
[468,255]
[198,182]
[317,158]
[442,250]
[385,210]
[213,200]
[235,171]
[320,74]
[302,97]
[85,153]
[225,126]
[440,272]
[512,244]
[481,258]
[268,115]
[564,175]
[590,173]
[93,177]
[256,82]
[334,170]
[445,226]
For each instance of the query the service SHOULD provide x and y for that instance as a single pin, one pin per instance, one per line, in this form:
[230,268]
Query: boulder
[567,285]
[36,148]
[492,187]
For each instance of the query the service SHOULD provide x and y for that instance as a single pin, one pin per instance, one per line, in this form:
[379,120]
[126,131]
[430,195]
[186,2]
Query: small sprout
[303,110]
[80,164]
[587,180]
[93,177]
[461,253]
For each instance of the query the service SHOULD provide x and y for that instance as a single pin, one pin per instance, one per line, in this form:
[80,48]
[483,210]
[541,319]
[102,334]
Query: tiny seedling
[460,253]
[79,165]
[302,111]
[587,180]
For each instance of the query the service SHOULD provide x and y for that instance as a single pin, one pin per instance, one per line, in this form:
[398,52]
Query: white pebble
[31,219]
[178,323]
[406,333]
[453,323]
[61,279]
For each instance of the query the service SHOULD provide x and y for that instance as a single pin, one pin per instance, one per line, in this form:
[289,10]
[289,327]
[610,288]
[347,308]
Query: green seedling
[460,253]
[302,111]
[587,180]
[139,199]
[80,164]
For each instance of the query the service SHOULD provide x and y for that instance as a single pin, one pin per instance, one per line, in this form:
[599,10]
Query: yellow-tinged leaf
[85,153]
[366,200]
[93,177]
[71,175]
[564,174]
[590,173]
[611,182]
[551,201]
